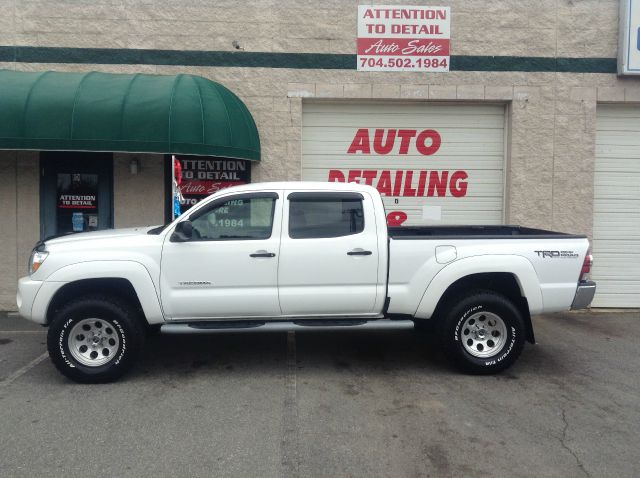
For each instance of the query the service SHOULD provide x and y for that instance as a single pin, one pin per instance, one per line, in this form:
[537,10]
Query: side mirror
[183,232]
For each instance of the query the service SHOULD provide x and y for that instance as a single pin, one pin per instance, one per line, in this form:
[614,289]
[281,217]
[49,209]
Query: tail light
[586,266]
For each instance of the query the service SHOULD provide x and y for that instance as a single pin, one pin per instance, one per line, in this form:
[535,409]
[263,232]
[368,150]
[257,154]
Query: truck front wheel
[94,339]
[483,333]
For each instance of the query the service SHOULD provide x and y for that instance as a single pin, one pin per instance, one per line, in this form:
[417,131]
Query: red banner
[403,46]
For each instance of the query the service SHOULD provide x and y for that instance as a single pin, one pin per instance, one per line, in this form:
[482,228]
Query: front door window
[241,218]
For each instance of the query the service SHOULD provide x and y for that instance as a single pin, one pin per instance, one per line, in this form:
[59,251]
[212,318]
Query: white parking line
[290,423]
[22,370]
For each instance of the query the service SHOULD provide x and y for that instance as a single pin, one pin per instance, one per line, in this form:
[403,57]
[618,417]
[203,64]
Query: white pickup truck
[298,255]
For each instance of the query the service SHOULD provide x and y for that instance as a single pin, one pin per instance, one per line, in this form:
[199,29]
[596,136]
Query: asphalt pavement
[330,404]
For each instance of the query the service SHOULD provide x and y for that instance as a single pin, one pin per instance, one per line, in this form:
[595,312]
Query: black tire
[119,318]
[457,335]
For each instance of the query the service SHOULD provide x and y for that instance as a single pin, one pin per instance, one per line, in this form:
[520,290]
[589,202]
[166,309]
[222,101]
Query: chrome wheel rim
[93,342]
[483,334]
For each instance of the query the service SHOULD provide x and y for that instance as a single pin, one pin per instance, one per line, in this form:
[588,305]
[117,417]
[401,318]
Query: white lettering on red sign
[403,38]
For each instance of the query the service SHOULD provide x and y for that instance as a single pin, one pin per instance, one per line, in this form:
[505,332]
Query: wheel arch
[109,286]
[511,276]
[128,279]
[502,283]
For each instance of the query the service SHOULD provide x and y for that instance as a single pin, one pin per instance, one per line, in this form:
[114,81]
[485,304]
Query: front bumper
[584,295]
[27,291]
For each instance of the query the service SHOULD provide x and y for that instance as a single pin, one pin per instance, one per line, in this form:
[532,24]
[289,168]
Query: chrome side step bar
[243,326]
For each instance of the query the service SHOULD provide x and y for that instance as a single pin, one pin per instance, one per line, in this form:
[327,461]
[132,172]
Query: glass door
[76,192]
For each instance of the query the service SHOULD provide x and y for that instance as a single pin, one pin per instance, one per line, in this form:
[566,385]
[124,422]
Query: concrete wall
[138,199]
[569,28]
[551,148]
[19,218]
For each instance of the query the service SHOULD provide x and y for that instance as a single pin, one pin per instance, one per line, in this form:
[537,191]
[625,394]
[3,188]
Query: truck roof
[304,185]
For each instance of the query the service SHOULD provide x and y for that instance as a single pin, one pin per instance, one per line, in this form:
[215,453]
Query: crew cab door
[329,257]
[229,268]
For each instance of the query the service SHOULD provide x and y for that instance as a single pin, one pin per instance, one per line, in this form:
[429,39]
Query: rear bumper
[584,295]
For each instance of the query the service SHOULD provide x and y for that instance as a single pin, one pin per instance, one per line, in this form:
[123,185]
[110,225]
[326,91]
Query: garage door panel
[476,204]
[406,120]
[613,246]
[481,183]
[612,222]
[617,300]
[615,113]
[468,186]
[616,186]
[617,266]
[619,287]
[610,205]
[409,162]
[616,216]
[449,135]
[453,149]
[331,108]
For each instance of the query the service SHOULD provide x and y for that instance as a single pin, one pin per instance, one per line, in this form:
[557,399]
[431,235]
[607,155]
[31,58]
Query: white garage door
[433,163]
[616,207]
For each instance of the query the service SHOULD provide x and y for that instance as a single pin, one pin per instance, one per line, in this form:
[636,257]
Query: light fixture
[134,166]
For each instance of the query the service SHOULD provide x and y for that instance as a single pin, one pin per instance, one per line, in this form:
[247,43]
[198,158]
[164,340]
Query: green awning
[141,113]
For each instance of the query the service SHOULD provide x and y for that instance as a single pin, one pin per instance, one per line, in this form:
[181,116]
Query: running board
[287,326]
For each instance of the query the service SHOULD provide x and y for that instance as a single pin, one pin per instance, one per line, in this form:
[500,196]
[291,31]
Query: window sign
[403,38]
[629,49]
[202,176]
[77,205]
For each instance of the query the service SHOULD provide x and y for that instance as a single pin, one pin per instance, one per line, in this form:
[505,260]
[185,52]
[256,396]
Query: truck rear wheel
[94,339]
[483,333]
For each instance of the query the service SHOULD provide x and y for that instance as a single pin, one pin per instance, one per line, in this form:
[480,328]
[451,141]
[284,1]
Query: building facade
[531,125]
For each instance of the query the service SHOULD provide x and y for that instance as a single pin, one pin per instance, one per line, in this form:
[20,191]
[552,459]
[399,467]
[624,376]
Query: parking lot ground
[330,404]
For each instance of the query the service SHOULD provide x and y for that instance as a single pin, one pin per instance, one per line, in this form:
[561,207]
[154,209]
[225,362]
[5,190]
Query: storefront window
[203,176]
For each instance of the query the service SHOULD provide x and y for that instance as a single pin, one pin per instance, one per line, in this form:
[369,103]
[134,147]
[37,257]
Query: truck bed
[475,232]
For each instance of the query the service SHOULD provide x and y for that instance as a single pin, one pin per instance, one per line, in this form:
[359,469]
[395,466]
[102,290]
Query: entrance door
[76,192]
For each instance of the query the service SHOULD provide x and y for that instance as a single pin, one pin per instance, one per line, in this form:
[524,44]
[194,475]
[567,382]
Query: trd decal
[557,254]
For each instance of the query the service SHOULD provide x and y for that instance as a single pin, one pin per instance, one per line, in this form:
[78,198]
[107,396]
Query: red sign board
[403,38]
[202,176]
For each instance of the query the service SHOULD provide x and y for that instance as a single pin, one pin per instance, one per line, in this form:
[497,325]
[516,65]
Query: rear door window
[323,215]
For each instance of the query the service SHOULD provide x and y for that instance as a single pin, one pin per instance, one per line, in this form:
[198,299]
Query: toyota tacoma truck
[298,254]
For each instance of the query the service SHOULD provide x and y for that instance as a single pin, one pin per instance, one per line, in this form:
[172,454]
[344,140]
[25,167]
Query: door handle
[262,254]
[359,252]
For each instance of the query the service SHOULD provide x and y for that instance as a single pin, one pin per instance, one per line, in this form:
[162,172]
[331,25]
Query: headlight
[36,260]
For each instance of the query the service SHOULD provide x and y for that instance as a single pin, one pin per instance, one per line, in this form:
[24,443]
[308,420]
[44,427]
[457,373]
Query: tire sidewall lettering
[511,344]
[61,342]
[456,331]
[123,341]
